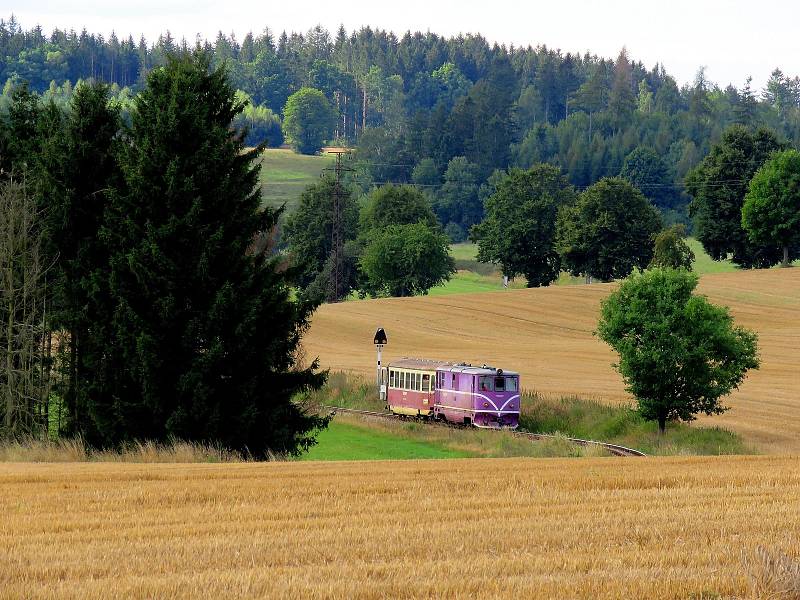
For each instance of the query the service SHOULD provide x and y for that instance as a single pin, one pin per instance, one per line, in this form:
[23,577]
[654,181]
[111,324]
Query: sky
[733,39]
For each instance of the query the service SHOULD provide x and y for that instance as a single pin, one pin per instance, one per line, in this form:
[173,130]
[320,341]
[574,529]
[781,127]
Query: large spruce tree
[205,334]
[75,172]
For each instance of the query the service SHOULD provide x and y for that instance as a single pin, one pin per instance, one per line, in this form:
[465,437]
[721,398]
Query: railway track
[614,449]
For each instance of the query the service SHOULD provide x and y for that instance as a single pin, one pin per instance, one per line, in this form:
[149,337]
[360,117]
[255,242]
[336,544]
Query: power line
[335,291]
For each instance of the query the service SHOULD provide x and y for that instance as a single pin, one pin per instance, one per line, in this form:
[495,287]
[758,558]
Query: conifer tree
[205,334]
[76,172]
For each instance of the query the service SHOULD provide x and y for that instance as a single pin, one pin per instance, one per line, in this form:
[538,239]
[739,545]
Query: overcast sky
[732,38]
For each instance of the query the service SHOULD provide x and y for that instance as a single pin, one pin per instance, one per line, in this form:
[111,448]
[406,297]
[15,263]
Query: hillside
[285,174]
[521,528]
[546,334]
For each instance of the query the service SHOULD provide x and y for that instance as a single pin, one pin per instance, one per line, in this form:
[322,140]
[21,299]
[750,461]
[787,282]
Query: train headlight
[485,405]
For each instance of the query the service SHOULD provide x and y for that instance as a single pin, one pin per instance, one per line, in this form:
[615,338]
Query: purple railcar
[458,393]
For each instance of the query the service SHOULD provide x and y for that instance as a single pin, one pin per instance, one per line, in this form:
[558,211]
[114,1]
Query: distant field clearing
[514,528]
[546,334]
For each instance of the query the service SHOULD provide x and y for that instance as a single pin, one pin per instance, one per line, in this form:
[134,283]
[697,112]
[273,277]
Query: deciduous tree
[404,260]
[608,232]
[308,120]
[771,211]
[718,187]
[671,251]
[678,353]
[519,230]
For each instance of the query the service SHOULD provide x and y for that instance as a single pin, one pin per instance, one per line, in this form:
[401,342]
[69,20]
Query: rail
[614,449]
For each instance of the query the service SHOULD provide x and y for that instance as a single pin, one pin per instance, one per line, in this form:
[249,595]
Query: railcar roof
[419,363]
[425,364]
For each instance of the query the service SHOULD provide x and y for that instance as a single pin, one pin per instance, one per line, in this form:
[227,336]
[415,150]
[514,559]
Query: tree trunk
[785,262]
[662,425]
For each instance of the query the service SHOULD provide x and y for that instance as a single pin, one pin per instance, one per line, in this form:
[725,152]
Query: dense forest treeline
[442,113]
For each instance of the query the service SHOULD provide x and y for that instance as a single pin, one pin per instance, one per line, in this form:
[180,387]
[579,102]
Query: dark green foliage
[771,211]
[608,232]
[423,96]
[426,174]
[403,249]
[308,233]
[404,260]
[648,172]
[18,135]
[78,171]
[520,225]
[671,251]
[204,332]
[679,354]
[308,120]
[457,201]
[396,205]
[718,187]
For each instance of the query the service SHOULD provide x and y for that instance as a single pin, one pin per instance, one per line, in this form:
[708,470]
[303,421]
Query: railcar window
[426,383]
[511,384]
[418,382]
[391,378]
[486,384]
[500,384]
[402,379]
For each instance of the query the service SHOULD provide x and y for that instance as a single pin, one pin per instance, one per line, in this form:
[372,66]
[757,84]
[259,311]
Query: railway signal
[380,340]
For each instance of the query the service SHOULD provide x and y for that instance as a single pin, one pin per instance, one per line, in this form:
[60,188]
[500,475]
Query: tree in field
[205,332]
[24,301]
[395,205]
[308,120]
[403,250]
[519,229]
[771,211]
[404,260]
[678,353]
[608,232]
[650,174]
[718,187]
[671,251]
[308,233]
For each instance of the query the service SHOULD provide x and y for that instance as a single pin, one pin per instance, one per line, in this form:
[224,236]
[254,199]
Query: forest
[440,113]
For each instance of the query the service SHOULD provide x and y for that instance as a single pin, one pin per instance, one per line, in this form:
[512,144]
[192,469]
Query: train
[484,396]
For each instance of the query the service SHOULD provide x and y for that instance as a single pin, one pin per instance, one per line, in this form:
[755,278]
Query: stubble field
[525,528]
[546,334]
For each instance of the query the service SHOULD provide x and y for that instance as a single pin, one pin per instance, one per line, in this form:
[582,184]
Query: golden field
[525,528]
[546,335]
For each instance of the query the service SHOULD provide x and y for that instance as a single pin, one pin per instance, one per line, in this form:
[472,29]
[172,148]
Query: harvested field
[524,528]
[546,334]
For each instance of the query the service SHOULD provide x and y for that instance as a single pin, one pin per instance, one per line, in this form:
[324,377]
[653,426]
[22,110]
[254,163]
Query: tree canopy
[519,230]
[204,330]
[679,355]
[771,211]
[608,232]
[406,259]
[670,250]
[718,187]
[308,120]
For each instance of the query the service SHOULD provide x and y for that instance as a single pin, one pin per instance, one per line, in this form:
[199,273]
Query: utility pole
[336,281]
